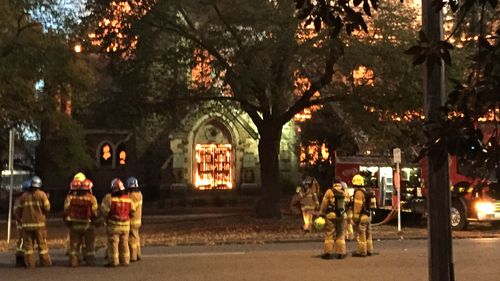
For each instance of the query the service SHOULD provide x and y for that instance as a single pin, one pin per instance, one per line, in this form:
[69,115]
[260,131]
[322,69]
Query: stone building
[213,150]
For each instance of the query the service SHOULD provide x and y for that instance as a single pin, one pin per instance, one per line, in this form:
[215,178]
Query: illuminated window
[122,155]
[106,155]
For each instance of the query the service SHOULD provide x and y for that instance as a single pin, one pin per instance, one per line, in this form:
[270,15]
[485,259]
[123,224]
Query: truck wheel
[458,216]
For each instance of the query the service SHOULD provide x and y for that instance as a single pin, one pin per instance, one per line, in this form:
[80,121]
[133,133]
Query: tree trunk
[269,147]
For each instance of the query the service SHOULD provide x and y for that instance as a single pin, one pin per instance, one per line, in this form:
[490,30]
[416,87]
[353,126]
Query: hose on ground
[387,219]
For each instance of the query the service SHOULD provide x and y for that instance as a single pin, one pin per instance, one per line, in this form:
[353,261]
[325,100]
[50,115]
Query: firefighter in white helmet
[32,208]
[134,241]
[308,199]
[117,209]
[333,208]
[364,202]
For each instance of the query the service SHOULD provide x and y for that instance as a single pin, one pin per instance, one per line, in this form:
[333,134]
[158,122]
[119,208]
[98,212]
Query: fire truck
[471,199]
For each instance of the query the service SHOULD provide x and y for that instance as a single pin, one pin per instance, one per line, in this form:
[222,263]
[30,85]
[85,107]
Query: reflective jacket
[80,210]
[330,205]
[136,197]
[308,198]
[362,203]
[117,211]
[31,209]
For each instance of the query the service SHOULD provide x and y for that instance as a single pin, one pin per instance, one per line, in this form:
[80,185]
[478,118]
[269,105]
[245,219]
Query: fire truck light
[485,207]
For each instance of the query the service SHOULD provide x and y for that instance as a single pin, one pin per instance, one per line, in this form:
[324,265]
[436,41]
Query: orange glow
[213,166]
[78,48]
[313,153]
[123,157]
[302,84]
[106,152]
[363,76]
[115,25]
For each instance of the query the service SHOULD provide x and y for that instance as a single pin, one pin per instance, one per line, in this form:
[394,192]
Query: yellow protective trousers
[118,249]
[134,243]
[335,234]
[307,215]
[77,236]
[349,229]
[38,236]
[364,235]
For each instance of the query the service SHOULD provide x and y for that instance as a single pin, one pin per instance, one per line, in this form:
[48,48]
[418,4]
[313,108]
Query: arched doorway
[213,157]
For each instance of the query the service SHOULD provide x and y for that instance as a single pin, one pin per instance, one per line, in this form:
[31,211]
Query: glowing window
[122,155]
[106,155]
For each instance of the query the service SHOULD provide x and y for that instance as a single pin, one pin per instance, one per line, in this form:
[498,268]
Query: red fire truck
[471,199]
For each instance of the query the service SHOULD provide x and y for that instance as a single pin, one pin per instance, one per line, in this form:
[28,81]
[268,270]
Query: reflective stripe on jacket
[136,197]
[80,209]
[117,210]
[31,209]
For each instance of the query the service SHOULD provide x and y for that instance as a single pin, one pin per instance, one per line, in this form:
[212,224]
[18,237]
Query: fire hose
[388,218]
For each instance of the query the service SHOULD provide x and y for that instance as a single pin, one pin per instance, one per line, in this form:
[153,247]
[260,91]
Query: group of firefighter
[339,214]
[120,211]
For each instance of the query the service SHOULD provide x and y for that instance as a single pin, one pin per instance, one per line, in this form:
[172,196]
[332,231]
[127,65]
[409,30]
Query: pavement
[473,259]
[239,228]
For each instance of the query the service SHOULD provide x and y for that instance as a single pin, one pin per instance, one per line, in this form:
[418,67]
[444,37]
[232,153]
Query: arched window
[106,155]
[121,155]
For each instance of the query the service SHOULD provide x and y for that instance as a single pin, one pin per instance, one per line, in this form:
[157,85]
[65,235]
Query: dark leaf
[374,4]
[446,45]
[366,8]
[484,43]
[317,24]
[357,2]
[454,5]
[445,55]
[299,4]
[305,12]
[468,4]
[438,5]
[413,50]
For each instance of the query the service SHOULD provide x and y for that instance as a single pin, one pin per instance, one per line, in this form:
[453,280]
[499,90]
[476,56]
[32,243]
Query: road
[474,259]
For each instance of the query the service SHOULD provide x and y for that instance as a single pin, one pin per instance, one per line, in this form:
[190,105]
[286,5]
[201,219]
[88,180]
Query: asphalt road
[474,259]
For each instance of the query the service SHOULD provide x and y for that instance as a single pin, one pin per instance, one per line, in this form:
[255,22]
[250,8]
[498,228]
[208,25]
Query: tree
[41,79]
[258,50]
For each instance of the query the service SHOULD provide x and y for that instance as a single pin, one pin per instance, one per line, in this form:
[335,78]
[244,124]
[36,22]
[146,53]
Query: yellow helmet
[358,180]
[80,176]
[319,223]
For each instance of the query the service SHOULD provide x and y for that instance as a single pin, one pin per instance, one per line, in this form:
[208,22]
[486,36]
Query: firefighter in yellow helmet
[134,241]
[31,210]
[333,208]
[117,209]
[308,199]
[79,176]
[364,202]
[80,212]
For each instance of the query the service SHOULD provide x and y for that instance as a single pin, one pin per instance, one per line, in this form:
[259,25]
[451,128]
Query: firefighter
[32,208]
[80,209]
[333,208]
[349,229]
[364,202]
[308,199]
[134,241]
[117,209]
[19,243]
[74,186]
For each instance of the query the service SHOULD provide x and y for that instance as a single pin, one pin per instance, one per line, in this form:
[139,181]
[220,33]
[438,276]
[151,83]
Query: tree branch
[325,79]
